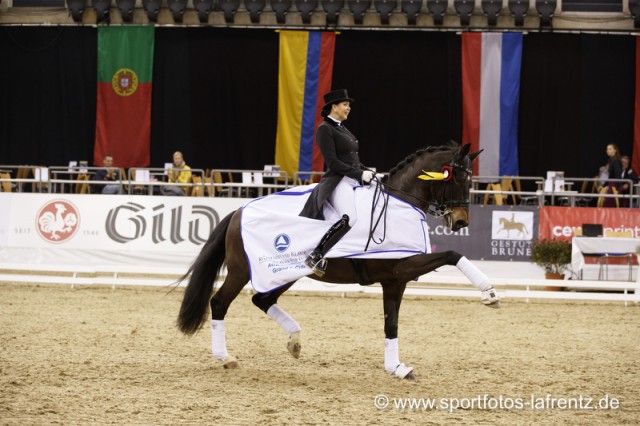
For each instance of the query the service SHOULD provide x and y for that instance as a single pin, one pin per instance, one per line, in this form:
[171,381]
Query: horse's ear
[463,151]
[474,155]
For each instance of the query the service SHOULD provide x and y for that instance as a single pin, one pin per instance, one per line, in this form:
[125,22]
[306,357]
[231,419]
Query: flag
[490,96]
[305,70]
[635,160]
[123,118]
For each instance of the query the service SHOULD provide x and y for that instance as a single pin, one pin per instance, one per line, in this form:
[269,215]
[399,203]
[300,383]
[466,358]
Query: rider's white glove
[367,176]
[379,176]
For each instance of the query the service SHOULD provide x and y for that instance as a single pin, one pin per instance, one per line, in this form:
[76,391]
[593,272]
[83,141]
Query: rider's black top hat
[335,97]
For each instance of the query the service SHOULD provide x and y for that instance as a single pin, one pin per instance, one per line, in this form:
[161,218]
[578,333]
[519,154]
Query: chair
[281,8]
[634,9]
[177,8]
[545,9]
[492,8]
[358,8]
[604,259]
[102,9]
[605,190]
[497,198]
[204,8]
[229,8]
[519,9]
[255,8]
[76,7]
[218,190]
[5,186]
[332,9]
[412,10]
[82,184]
[198,189]
[126,8]
[437,8]
[464,9]
[385,9]
[152,8]
[306,8]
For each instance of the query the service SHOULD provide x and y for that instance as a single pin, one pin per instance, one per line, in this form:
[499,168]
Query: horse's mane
[412,157]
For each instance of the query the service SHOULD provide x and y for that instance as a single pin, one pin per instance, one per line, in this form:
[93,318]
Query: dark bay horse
[435,179]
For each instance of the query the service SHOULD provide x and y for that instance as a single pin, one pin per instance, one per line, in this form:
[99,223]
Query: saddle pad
[277,240]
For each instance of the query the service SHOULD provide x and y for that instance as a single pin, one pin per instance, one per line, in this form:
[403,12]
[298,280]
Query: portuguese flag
[123,121]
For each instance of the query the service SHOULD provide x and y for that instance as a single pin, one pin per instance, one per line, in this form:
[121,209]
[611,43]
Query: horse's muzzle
[459,224]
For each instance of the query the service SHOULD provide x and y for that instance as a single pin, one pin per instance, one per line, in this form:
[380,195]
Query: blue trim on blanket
[382,251]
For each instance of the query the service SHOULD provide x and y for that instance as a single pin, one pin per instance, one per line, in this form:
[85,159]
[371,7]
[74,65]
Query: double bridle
[439,206]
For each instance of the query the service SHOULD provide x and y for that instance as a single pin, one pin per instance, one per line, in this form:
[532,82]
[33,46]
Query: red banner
[561,222]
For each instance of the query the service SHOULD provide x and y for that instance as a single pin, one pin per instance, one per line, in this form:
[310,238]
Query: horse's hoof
[293,345]
[410,376]
[494,305]
[404,372]
[230,363]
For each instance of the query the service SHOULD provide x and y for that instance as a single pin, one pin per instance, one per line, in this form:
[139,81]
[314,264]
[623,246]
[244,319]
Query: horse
[508,225]
[442,189]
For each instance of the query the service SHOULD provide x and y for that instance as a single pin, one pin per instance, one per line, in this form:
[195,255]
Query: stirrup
[317,263]
[489,297]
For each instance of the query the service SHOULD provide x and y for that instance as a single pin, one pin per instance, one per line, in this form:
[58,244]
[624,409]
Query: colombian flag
[305,69]
[490,97]
[123,121]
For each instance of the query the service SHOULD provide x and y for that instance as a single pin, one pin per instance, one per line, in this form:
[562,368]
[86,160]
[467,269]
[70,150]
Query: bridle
[440,206]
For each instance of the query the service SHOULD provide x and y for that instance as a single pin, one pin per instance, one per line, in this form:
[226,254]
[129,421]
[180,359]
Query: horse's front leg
[392,295]
[414,266]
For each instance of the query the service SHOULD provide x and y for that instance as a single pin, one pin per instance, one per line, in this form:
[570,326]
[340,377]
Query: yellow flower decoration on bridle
[444,174]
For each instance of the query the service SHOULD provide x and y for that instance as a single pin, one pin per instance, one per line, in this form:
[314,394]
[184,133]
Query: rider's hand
[367,176]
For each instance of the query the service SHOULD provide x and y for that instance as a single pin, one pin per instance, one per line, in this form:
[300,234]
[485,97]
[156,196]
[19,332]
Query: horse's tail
[204,271]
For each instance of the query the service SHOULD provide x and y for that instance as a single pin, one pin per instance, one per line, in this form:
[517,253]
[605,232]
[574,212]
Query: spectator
[108,174]
[627,173]
[614,168]
[180,173]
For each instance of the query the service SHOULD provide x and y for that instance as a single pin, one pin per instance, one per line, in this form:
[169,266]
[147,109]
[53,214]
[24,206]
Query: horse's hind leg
[267,302]
[219,304]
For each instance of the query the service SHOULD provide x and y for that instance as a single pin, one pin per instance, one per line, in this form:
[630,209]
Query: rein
[378,194]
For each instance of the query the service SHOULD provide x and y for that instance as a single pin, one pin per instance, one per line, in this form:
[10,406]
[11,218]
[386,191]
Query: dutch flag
[490,96]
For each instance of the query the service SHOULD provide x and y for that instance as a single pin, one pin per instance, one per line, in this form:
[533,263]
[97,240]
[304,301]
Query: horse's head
[437,180]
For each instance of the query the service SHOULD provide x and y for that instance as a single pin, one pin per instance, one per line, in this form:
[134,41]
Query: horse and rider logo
[125,82]
[57,221]
[512,225]
[282,242]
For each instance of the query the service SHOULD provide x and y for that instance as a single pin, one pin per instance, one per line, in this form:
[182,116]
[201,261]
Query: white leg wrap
[218,341]
[285,321]
[475,275]
[391,357]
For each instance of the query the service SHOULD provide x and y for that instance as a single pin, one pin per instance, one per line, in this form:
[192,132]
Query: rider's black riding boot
[316,260]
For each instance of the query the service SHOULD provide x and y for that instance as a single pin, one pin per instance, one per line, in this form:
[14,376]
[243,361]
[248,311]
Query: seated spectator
[614,168]
[627,173]
[180,173]
[109,173]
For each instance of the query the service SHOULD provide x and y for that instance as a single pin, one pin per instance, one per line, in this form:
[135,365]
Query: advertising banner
[114,222]
[562,222]
[494,233]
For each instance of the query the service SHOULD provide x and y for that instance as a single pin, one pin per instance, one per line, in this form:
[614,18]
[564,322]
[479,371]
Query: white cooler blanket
[277,240]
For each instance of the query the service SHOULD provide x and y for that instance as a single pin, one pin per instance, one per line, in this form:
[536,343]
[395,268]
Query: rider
[339,148]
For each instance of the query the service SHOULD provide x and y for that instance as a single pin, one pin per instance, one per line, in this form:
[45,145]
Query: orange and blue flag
[305,71]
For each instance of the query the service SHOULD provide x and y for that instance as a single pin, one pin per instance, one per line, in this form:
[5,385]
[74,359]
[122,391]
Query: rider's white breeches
[343,199]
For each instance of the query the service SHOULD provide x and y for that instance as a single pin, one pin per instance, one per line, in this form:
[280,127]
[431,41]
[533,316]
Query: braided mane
[412,157]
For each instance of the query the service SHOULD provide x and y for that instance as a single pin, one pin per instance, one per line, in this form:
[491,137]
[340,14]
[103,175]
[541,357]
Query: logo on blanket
[282,242]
